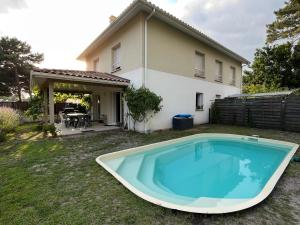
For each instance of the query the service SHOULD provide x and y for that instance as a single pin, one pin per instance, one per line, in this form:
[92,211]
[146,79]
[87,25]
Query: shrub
[142,104]
[38,127]
[2,136]
[35,106]
[49,128]
[9,119]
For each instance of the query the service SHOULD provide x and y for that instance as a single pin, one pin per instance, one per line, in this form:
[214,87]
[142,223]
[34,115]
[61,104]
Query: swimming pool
[203,173]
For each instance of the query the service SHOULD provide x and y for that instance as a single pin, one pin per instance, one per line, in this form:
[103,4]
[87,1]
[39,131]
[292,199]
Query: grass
[57,181]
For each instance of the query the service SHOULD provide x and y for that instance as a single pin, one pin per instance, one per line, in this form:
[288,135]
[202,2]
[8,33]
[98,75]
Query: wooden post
[282,113]
[92,106]
[51,103]
[45,103]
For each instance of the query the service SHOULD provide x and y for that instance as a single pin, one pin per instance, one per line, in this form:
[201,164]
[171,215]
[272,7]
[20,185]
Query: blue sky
[61,29]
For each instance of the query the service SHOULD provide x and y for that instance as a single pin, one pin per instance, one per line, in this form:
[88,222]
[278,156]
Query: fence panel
[21,106]
[292,113]
[264,112]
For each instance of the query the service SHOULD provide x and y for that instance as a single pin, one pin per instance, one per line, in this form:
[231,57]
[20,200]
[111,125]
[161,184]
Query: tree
[142,104]
[287,23]
[35,105]
[274,67]
[16,61]
[277,67]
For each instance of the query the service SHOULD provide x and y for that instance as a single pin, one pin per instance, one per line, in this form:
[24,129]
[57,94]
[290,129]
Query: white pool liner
[203,204]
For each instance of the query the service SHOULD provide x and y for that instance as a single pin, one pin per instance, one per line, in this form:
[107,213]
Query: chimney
[112,18]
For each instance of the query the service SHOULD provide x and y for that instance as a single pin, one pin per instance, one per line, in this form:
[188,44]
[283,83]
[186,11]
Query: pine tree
[287,23]
[16,61]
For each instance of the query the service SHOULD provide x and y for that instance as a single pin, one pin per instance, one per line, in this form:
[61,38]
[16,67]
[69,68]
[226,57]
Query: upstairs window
[116,58]
[199,101]
[199,65]
[96,64]
[233,76]
[219,71]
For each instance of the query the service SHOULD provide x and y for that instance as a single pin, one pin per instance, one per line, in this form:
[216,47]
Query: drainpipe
[146,56]
[146,47]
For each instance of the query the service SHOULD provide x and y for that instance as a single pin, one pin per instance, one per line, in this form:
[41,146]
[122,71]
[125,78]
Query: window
[232,70]
[199,101]
[219,71]
[96,64]
[199,65]
[116,58]
[218,96]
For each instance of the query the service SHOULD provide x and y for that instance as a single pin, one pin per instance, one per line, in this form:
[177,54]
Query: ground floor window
[218,96]
[199,101]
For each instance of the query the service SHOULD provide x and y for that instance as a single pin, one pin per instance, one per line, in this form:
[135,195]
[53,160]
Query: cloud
[61,29]
[6,5]
[238,24]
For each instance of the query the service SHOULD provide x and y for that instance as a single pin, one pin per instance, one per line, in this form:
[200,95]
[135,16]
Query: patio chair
[74,121]
[67,122]
[81,121]
[63,119]
[87,121]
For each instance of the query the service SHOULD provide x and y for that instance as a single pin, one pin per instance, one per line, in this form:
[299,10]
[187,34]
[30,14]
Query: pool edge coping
[265,192]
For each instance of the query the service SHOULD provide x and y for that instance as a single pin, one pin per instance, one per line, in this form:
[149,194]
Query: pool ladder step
[130,166]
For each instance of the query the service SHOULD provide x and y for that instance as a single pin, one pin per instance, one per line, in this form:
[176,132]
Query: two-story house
[151,48]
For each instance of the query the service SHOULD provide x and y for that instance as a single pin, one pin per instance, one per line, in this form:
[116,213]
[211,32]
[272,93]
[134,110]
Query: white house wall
[179,96]
[136,80]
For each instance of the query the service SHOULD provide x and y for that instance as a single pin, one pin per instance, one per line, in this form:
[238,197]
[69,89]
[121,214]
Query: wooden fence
[280,112]
[21,106]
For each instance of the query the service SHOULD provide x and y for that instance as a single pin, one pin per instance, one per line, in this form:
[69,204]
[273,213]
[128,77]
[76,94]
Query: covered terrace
[105,91]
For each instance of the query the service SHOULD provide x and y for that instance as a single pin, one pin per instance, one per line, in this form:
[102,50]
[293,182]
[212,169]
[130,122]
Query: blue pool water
[227,168]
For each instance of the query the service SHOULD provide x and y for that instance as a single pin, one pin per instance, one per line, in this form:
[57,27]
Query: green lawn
[57,181]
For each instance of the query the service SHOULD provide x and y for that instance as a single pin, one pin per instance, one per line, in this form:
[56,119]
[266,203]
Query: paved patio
[96,127]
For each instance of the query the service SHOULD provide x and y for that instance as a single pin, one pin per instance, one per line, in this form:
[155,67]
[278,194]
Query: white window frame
[199,72]
[233,75]
[199,101]
[219,72]
[116,58]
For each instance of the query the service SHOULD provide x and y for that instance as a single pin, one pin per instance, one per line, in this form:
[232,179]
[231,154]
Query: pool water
[183,172]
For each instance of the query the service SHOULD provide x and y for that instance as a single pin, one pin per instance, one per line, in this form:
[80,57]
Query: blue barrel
[183,121]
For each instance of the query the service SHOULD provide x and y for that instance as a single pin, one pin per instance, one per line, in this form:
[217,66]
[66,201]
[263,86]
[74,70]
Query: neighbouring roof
[279,93]
[143,5]
[80,74]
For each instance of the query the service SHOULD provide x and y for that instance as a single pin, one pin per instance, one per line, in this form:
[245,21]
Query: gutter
[145,74]
[146,48]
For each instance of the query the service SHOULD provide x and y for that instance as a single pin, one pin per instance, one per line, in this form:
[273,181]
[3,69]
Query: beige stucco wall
[169,50]
[172,51]
[130,36]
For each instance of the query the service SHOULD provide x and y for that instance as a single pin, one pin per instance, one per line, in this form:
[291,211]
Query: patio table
[76,114]
[75,118]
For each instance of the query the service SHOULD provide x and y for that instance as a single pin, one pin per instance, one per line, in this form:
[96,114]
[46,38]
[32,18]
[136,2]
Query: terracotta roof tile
[83,74]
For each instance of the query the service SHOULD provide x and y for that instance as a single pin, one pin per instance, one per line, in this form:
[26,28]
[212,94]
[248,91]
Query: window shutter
[116,58]
[233,75]
[199,65]
[218,71]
